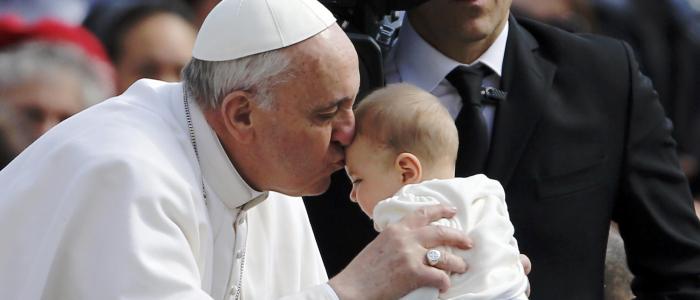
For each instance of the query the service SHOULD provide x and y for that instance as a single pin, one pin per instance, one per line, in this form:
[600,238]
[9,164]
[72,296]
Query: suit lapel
[527,78]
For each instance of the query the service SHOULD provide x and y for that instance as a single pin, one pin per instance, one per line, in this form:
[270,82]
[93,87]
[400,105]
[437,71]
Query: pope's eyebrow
[331,105]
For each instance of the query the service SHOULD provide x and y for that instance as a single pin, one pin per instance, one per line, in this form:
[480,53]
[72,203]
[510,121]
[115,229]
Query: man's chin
[317,188]
[320,188]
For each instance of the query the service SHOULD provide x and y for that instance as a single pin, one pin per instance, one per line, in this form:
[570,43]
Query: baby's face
[372,172]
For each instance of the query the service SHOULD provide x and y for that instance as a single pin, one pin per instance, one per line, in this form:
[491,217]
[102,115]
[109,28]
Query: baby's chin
[368,212]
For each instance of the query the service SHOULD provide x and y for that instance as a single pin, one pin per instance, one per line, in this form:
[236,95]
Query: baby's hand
[527,266]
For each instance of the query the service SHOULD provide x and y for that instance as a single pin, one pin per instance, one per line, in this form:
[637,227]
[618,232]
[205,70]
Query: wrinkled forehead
[322,72]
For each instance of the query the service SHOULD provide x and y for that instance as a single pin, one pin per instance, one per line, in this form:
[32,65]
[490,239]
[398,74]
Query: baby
[403,158]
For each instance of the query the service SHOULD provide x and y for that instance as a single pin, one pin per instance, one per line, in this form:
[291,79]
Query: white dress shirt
[414,61]
[495,271]
[109,205]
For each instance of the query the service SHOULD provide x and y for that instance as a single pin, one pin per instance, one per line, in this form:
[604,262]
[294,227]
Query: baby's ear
[410,168]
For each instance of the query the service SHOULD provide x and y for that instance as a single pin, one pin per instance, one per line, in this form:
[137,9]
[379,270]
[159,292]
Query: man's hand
[394,263]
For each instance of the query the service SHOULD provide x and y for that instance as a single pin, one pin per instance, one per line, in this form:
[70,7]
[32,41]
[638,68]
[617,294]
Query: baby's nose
[353,195]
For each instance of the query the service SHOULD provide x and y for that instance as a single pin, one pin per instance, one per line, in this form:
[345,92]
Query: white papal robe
[109,205]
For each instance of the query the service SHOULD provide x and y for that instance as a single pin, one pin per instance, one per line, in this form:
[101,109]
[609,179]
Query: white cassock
[109,205]
[495,271]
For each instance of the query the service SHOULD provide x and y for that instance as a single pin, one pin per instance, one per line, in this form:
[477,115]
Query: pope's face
[303,135]
[465,21]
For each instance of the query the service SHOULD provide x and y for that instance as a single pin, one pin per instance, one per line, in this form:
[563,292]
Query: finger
[529,289]
[435,235]
[426,215]
[436,278]
[527,265]
[450,263]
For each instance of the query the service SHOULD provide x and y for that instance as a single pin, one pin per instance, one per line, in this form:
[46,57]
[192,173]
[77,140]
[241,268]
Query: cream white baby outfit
[495,271]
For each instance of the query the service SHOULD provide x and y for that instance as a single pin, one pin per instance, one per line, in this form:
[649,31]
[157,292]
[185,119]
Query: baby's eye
[356,181]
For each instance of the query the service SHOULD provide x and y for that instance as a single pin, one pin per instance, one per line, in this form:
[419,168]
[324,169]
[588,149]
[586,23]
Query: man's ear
[409,167]
[236,115]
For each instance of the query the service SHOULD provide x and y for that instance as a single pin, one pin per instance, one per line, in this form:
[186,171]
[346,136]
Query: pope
[191,190]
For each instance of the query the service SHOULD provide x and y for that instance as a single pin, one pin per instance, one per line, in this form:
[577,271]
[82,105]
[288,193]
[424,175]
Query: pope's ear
[409,167]
[236,113]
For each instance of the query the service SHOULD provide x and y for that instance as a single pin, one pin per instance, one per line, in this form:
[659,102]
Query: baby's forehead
[352,151]
[361,148]
[362,142]
[353,163]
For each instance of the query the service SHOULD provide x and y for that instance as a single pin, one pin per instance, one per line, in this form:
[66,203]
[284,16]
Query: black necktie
[473,133]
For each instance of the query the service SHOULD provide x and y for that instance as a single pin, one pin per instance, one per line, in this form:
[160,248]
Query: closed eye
[330,111]
[328,115]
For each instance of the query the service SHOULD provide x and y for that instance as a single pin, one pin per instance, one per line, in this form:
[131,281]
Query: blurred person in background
[147,39]
[13,137]
[49,71]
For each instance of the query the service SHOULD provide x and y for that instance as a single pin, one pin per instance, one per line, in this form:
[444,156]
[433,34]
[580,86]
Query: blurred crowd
[58,57]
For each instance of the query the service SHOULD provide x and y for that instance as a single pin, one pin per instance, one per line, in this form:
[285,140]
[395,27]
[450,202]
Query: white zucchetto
[239,28]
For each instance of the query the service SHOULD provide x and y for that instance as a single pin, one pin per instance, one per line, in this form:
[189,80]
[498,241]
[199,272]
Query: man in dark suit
[581,139]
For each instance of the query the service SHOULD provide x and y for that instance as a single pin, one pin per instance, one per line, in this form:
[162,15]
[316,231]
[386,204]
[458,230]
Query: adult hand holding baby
[401,250]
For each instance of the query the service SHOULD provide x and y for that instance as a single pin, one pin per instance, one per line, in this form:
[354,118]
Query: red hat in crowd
[14,30]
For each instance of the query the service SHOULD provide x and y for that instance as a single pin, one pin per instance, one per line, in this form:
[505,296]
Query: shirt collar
[220,175]
[424,66]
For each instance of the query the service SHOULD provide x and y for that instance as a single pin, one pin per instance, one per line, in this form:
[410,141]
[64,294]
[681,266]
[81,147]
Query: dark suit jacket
[582,140]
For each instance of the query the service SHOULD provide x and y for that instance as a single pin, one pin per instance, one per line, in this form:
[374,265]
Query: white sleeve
[109,229]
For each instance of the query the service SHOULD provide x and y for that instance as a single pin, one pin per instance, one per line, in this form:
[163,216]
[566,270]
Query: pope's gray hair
[210,81]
